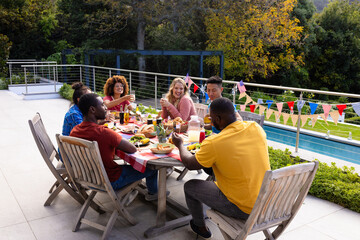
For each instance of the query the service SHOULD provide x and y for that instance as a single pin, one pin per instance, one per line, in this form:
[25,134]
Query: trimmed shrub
[331,183]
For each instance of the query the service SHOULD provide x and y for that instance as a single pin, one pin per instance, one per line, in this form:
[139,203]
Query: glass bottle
[202,135]
[121,115]
[126,115]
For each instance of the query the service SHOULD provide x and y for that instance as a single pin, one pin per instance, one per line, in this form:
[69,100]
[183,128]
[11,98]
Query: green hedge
[337,185]
[66,91]
[353,120]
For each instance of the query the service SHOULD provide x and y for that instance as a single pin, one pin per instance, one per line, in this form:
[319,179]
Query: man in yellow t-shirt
[239,158]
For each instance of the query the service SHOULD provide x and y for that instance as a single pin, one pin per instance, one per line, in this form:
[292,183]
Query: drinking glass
[132,92]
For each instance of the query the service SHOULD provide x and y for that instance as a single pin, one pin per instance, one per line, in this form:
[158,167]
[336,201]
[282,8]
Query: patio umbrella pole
[298,127]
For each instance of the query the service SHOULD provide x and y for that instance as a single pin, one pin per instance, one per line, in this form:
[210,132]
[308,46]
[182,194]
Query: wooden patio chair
[201,109]
[249,116]
[83,161]
[281,195]
[52,160]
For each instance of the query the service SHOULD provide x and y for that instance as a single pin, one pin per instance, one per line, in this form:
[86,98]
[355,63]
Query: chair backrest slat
[284,199]
[91,165]
[282,190]
[272,200]
[43,141]
[201,109]
[83,157]
[249,116]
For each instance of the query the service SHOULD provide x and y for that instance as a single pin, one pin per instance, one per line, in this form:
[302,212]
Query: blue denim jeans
[130,175]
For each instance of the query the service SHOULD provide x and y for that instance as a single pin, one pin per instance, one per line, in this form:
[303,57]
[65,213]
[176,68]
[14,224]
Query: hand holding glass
[132,94]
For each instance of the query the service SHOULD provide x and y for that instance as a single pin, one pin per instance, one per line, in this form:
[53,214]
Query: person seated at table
[214,90]
[177,102]
[93,109]
[116,91]
[74,116]
[239,157]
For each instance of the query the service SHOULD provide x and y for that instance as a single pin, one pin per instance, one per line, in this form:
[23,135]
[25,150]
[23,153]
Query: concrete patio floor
[25,181]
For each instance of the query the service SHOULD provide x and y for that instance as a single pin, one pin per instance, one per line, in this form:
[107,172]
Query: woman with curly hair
[116,89]
[177,102]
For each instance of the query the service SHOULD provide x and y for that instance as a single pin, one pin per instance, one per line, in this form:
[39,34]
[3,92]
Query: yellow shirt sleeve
[205,156]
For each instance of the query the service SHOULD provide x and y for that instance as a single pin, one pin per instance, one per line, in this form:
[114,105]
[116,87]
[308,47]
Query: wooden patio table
[165,205]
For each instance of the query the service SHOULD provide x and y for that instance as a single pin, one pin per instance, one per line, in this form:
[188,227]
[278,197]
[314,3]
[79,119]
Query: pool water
[320,145]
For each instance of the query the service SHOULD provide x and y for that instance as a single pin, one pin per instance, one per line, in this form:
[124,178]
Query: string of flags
[327,108]
[300,104]
[190,82]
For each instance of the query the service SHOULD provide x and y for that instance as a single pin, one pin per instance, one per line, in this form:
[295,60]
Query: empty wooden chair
[52,160]
[201,109]
[249,116]
[281,195]
[83,161]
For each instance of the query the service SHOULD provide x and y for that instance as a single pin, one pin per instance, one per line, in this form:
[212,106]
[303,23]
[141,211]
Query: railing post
[298,127]
[57,73]
[155,91]
[94,79]
[10,73]
[130,81]
[34,69]
[49,71]
[54,79]
[80,74]
[233,92]
[109,73]
[26,88]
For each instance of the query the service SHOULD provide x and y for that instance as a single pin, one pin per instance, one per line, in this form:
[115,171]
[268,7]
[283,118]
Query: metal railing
[18,74]
[149,86]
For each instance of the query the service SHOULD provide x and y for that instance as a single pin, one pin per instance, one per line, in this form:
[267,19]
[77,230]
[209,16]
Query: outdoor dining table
[144,158]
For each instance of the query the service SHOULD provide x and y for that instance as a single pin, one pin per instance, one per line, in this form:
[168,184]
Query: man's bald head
[222,112]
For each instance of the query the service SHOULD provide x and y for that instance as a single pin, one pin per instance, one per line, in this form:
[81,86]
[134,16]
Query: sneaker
[153,197]
[203,232]
[131,197]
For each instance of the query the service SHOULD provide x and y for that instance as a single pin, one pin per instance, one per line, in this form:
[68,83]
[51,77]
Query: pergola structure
[90,55]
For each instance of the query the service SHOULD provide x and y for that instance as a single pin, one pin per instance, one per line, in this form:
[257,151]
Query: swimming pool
[347,152]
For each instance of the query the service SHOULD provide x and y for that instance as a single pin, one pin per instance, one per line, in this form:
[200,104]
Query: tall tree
[29,25]
[112,18]
[298,76]
[257,37]
[5,46]
[334,58]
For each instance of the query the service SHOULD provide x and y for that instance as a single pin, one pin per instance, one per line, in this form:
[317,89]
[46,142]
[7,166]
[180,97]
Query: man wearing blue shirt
[214,89]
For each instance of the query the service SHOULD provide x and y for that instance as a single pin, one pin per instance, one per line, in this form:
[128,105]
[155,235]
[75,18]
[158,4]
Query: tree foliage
[297,76]
[29,25]
[334,58]
[257,37]
[5,46]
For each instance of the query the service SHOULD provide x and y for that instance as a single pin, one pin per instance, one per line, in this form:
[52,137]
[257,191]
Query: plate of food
[170,124]
[162,148]
[193,148]
[148,130]
[139,140]
[128,129]
[110,125]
